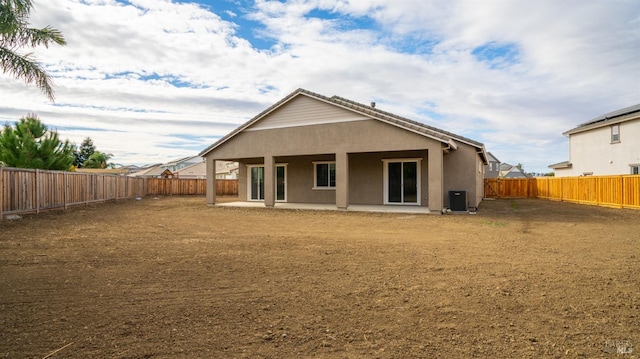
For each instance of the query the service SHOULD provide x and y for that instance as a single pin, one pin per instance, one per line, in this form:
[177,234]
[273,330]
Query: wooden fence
[28,191]
[608,191]
[32,191]
[181,186]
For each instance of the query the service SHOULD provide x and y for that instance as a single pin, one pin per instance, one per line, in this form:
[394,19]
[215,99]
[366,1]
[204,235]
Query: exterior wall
[492,170]
[305,111]
[563,172]
[300,180]
[366,176]
[366,179]
[371,136]
[480,176]
[592,151]
[461,171]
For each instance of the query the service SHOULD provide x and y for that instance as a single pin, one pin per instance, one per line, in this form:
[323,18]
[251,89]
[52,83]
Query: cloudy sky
[154,80]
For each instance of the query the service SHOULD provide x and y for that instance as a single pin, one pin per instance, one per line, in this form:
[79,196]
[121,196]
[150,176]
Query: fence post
[66,190]
[1,192]
[37,190]
[86,193]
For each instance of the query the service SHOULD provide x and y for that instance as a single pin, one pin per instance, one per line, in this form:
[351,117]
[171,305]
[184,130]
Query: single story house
[308,148]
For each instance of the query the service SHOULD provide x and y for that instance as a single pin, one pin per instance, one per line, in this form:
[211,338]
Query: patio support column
[436,173]
[211,181]
[342,180]
[269,181]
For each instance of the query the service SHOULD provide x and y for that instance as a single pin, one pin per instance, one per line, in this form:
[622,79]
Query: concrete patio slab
[332,207]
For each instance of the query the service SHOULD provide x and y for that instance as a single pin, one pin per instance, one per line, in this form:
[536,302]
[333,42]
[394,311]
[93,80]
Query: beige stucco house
[308,148]
[607,145]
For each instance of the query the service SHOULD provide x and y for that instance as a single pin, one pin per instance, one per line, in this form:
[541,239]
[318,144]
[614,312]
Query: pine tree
[31,145]
[83,153]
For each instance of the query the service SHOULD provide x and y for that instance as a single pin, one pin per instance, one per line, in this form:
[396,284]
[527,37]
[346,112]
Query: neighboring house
[492,169]
[181,163]
[195,171]
[607,145]
[226,170]
[308,148]
[133,168]
[167,174]
[153,171]
[510,171]
[104,171]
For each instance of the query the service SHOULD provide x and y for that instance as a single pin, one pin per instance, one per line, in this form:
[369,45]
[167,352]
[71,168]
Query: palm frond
[26,68]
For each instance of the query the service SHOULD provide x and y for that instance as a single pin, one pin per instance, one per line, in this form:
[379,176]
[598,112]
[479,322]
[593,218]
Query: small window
[635,169]
[615,133]
[325,175]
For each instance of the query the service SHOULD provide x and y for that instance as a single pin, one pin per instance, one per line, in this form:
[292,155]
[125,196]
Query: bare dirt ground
[173,278]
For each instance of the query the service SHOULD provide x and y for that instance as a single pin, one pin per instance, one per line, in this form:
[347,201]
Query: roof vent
[373,104]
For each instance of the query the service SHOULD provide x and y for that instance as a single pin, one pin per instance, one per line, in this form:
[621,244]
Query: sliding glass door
[256,182]
[402,180]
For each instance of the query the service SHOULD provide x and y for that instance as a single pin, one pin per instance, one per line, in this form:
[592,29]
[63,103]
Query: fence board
[28,191]
[631,192]
[185,186]
[609,191]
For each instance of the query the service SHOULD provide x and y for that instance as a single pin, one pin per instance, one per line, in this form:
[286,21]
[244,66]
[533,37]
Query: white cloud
[570,61]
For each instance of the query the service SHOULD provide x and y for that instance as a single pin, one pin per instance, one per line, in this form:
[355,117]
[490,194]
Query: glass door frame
[386,162]
[284,166]
[250,184]
[275,174]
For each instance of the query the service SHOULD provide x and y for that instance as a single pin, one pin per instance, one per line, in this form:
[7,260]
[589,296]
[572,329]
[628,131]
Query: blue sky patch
[231,11]
[344,22]
[497,55]
[170,79]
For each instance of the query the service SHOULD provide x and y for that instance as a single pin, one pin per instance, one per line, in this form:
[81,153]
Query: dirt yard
[173,278]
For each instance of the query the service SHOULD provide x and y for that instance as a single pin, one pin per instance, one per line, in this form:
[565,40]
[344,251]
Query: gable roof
[369,111]
[152,171]
[492,158]
[561,165]
[194,159]
[510,171]
[610,118]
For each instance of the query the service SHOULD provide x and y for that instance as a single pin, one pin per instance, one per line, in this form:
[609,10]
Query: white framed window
[635,169]
[615,133]
[324,175]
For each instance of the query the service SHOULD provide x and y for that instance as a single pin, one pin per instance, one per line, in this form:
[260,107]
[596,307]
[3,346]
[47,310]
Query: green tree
[83,153]
[99,160]
[31,145]
[15,33]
